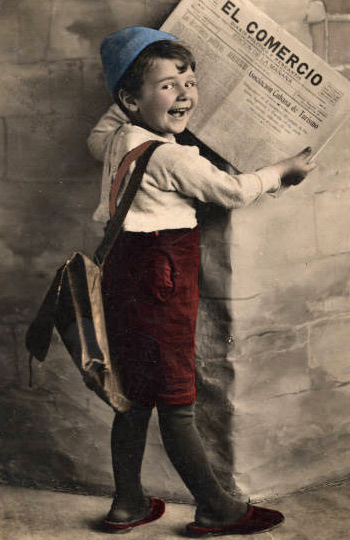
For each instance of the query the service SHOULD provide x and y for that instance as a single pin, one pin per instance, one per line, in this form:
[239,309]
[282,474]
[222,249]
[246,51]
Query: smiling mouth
[179,112]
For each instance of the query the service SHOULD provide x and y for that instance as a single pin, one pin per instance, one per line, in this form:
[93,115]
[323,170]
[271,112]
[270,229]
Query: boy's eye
[191,84]
[167,86]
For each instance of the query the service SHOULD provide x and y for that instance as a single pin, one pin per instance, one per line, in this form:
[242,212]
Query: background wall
[282,314]
[275,312]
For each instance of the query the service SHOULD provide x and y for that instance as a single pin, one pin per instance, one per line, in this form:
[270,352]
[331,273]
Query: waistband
[157,234]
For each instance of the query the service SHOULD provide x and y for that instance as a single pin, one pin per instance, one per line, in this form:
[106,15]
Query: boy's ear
[128,100]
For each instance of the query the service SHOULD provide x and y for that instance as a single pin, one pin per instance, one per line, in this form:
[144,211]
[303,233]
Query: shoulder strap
[141,154]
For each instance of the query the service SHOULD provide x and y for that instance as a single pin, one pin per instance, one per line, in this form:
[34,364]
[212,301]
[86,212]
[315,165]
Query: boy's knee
[171,416]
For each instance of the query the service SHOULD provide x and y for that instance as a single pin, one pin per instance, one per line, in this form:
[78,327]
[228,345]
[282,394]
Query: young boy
[150,279]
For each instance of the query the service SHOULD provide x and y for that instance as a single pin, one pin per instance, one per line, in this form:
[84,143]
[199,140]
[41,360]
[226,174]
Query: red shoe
[256,520]
[156,511]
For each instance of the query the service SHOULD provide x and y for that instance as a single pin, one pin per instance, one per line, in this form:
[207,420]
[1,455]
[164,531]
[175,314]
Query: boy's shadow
[97,525]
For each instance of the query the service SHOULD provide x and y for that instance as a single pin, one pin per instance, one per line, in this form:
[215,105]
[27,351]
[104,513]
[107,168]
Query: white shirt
[175,176]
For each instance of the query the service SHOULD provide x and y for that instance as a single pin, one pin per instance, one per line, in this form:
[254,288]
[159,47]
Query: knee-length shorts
[151,293]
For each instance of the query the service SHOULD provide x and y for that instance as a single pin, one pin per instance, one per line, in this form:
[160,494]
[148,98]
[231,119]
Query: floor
[27,514]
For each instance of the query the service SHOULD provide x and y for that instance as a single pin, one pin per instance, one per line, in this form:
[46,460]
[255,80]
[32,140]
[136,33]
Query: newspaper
[263,94]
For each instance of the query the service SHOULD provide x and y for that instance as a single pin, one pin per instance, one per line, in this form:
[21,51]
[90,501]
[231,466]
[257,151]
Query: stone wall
[52,92]
[281,317]
[274,319]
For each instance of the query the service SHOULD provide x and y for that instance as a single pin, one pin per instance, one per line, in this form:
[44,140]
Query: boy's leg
[186,452]
[128,445]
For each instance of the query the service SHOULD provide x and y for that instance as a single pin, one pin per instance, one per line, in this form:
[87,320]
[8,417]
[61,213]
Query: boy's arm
[194,176]
[183,169]
[104,130]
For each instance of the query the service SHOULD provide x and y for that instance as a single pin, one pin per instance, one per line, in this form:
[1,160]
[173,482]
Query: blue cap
[120,49]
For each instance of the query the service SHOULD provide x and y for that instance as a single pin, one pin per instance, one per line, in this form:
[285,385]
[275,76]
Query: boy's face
[168,97]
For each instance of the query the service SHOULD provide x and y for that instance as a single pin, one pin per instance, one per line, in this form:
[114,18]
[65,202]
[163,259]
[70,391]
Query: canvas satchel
[74,303]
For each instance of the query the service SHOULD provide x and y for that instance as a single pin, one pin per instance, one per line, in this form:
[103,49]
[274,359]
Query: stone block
[271,342]
[50,148]
[333,164]
[317,31]
[45,220]
[35,199]
[290,16]
[8,358]
[95,99]
[15,243]
[289,295]
[3,157]
[78,27]
[339,42]
[50,442]
[271,375]
[324,177]
[61,222]
[45,223]
[9,32]
[11,254]
[329,352]
[345,71]
[334,160]
[132,13]
[67,410]
[94,232]
[25,89]
[24,30]
[298,441]
[274,231]
[336,6]
[22,293]
[34,20]
[66,79]
[56,236]
[19,196]
[335,304]
[332,219]
[44,266]
[316,12]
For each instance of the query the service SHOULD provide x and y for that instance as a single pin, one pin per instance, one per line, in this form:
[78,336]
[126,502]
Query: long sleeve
[182,169]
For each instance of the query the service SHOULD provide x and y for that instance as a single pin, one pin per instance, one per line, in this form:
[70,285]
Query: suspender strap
[121,172]
[141,154]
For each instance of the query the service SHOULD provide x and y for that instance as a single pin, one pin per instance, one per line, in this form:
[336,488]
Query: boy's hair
[133,78]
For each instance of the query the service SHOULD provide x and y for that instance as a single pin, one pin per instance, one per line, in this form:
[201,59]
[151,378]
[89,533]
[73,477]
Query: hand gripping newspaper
[261,84]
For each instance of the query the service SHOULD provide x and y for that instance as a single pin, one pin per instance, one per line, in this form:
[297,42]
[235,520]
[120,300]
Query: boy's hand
[294,169]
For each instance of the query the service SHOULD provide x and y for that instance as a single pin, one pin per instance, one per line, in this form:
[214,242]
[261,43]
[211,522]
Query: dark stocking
[128,445]
[186,452]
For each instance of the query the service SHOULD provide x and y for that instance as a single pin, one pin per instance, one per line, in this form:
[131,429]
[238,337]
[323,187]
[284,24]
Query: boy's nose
[183,92]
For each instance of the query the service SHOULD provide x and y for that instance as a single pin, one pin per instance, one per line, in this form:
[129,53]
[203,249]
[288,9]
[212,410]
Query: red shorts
[150,289]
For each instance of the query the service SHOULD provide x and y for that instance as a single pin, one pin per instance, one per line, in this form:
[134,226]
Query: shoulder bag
[74,303]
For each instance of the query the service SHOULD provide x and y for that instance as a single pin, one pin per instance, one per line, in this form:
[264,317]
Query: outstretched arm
[182,169]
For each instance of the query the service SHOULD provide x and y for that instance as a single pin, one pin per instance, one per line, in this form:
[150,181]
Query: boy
[150,279]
